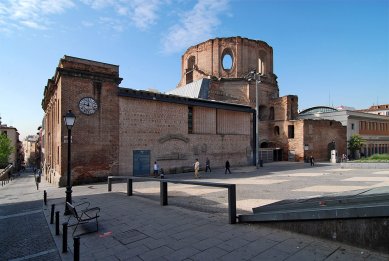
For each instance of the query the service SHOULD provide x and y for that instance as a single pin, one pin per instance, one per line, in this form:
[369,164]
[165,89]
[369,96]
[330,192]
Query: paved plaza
[194,226]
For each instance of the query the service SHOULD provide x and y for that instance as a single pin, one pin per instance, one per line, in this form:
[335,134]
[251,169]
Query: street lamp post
[257,77]
[69,119]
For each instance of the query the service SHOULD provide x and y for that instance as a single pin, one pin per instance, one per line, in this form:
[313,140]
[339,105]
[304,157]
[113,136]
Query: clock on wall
[88,105]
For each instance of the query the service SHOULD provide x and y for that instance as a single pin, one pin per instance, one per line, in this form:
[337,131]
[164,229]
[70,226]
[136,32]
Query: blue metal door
[141,160]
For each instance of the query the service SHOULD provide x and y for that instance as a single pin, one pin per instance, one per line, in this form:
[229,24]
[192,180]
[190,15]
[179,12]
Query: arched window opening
[262,113]
[271,113]
[262,62]
[276,130]
[191,63]
[189,70]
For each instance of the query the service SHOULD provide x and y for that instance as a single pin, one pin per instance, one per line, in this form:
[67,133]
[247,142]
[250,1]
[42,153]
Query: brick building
[123,131]
[17,156]
[382,109]
[372,127]
[210,114]
[217,69]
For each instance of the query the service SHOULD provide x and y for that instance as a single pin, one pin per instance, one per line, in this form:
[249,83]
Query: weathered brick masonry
[129,120]
[135,128]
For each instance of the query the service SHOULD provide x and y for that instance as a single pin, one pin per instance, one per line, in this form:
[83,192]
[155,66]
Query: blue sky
[332,52]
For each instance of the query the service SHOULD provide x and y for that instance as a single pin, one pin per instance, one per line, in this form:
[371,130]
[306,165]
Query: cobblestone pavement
[24,233]
[189,228]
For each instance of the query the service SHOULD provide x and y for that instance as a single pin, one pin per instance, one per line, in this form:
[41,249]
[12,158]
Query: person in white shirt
[196,169]
[156,168]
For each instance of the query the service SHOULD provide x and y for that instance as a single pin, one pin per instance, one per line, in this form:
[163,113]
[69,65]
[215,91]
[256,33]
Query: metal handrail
[164,192]
[5,171]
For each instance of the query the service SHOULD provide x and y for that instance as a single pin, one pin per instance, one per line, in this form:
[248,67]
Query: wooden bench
[84,215]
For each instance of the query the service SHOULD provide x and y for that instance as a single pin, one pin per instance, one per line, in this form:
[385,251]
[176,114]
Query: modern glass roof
[317,109]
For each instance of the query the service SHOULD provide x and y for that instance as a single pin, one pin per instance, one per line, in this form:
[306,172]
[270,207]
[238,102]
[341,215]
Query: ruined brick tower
[220,67]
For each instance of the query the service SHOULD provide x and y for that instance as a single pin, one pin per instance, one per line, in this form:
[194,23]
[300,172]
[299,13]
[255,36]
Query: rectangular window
[290,131]
[352,126]
[190,120]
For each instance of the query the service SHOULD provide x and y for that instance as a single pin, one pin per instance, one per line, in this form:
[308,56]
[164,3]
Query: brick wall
[162,128]
[319,134]
[245,54]
[94,137]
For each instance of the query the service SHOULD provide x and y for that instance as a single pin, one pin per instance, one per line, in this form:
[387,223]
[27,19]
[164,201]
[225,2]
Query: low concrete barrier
[364,165]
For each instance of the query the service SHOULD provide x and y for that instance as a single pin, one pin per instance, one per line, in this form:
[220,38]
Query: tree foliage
[355,143]
[6,149]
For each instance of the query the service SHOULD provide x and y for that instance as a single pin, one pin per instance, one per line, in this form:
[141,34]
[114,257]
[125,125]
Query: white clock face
[88,105]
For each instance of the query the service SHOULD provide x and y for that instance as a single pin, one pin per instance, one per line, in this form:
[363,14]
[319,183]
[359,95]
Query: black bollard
[45,197]
[64,237]
[56,223]
[52,213]
[76,244]
[163,193]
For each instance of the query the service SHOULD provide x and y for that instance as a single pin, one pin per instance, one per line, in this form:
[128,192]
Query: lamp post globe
[69,119]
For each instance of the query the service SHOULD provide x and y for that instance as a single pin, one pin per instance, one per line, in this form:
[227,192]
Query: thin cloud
[31,13]
[194,26]
[142,14]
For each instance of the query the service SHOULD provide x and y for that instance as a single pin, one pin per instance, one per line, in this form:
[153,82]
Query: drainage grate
[130,236]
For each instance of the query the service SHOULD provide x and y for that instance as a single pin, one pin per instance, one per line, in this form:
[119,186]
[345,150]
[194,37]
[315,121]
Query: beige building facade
[16,157]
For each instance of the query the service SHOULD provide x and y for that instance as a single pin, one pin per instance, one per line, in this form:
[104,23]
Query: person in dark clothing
[227,167]
[208,165]
[312,160]
[37,175]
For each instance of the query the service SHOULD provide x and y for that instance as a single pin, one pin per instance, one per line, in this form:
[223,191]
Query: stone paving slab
[172,233]
[138,228]
[24,232]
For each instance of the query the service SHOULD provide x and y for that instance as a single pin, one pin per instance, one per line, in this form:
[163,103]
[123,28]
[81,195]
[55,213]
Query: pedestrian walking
[312,160]
[196,169]
[37,175]
[156,168]
[208,165]
[227,167]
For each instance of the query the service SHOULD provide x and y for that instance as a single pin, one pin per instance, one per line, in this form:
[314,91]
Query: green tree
[6,150]
[354,144]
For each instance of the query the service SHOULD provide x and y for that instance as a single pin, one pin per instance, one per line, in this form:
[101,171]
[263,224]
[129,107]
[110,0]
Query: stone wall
[319,136]
[162,128]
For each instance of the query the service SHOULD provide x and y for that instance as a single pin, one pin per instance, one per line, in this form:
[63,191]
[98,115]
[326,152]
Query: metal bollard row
[76,243]
[52,214]
[45,197]
[56,223]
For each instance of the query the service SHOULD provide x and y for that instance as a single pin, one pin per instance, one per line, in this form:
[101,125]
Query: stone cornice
[86,74]
[94,76]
